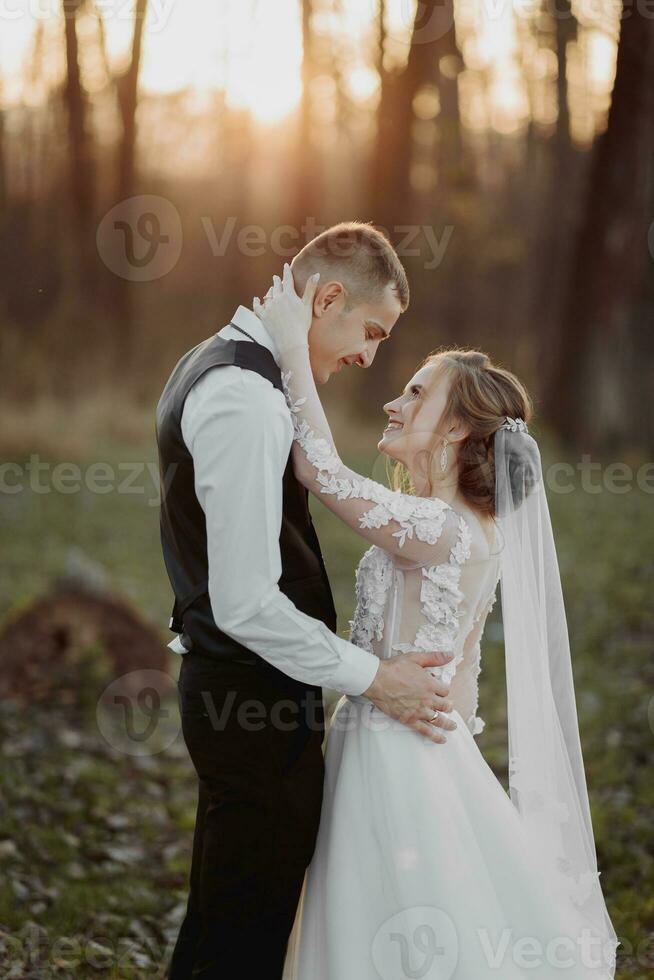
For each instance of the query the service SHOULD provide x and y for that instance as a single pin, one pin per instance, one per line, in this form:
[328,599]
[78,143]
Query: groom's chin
[321,374]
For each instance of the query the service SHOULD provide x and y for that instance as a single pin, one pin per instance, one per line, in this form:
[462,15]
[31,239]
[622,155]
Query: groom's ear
[328,296]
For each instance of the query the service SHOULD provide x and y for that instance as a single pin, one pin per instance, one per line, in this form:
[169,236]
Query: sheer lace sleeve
[421,530]
[465,685]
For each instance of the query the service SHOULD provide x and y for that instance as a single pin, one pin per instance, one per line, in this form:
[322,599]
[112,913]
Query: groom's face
[340,337]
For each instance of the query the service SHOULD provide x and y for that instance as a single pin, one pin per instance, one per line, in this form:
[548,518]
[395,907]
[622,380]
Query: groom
[254,610]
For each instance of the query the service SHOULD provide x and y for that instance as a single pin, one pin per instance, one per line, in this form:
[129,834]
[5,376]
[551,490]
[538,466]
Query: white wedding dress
[422,867]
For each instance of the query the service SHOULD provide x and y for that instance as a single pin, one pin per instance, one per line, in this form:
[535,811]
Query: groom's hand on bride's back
[403,689]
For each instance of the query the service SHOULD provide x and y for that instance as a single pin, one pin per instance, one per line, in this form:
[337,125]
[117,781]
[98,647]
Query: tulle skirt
[422,869]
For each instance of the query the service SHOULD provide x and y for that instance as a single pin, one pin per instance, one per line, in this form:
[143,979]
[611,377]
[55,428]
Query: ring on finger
[434,716]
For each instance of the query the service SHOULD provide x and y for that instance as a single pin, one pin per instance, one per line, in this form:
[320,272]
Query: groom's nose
[366,357]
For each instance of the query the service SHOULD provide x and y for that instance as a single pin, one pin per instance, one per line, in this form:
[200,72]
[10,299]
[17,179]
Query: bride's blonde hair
[481,396]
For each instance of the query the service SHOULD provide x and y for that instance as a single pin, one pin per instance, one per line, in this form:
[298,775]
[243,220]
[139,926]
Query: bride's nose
[391,407]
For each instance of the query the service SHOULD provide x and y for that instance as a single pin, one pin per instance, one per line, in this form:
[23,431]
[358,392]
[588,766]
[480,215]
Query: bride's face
[414,419]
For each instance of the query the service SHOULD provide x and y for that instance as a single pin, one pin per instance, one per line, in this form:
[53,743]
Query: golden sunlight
[252,50]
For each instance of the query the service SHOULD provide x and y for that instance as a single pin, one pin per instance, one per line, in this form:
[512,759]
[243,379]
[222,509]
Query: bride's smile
[417,420]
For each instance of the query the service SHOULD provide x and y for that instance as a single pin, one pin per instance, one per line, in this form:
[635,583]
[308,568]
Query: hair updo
[481,396]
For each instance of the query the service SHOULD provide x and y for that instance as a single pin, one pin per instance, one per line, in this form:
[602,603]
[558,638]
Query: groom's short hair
[359,256]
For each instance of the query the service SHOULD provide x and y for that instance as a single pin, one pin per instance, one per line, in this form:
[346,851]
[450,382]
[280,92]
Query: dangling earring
[444,456]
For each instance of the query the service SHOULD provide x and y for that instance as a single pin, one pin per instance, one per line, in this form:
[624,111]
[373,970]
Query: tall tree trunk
[451,163]
[306,192]
[3,165]
[560,212]
[382,144]
[589,402]
[127,94]
[433,58]
[81,173]
[126,87]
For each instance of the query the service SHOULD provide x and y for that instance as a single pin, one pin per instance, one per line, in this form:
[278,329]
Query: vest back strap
[181,605]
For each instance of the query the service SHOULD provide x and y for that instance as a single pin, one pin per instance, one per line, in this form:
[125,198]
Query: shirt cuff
[177,646]
[356,671]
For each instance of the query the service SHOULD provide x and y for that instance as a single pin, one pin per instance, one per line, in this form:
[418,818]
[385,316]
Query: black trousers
[255,739]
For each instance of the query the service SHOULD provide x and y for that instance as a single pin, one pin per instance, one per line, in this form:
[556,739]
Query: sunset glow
[252,50]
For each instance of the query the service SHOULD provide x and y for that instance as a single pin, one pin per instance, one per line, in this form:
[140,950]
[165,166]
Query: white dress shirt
[239,432]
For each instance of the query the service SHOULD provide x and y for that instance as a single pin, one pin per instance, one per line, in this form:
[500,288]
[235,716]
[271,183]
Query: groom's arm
[239,432]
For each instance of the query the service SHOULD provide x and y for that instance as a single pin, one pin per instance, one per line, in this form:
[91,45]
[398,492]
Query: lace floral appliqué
[474,722]
[374,578]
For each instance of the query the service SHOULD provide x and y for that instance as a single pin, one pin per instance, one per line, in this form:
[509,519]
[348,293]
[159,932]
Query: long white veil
[546,775]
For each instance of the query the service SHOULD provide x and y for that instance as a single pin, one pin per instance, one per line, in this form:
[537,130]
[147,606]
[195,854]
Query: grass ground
[95,844]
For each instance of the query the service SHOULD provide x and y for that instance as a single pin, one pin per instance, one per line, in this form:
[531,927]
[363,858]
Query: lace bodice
[428,582]
[429,607]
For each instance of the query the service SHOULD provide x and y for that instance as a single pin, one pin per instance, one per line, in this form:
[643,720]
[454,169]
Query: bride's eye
[415,391]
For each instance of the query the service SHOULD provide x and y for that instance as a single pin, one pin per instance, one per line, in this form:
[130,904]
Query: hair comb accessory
[514,425]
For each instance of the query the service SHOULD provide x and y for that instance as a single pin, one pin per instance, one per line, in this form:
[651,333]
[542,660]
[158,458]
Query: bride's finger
[310,290]
[277,286]
[257,308]
[287,278]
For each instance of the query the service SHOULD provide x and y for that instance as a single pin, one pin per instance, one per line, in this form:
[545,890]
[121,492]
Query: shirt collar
[248,320]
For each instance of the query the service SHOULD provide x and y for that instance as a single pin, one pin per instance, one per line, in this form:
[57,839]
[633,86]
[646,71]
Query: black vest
[183,528]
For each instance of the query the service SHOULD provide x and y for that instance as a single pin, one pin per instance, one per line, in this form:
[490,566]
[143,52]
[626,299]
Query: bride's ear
[458,432]
[326,296]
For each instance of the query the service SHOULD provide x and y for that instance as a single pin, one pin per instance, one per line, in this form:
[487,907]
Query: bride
[424,867]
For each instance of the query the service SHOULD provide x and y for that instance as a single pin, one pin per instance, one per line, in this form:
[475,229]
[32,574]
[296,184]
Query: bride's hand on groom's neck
[285,315]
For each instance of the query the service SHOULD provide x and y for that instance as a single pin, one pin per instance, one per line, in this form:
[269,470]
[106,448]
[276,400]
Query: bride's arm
[418,529]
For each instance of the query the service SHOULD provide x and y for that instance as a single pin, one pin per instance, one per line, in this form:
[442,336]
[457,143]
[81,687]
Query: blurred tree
[598,350]
[3,165]
[127,95]
[125,85]
[32,207]
[559,210]
[306,191]
[433,59]
[80,148]
[451,160]
[235,189]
